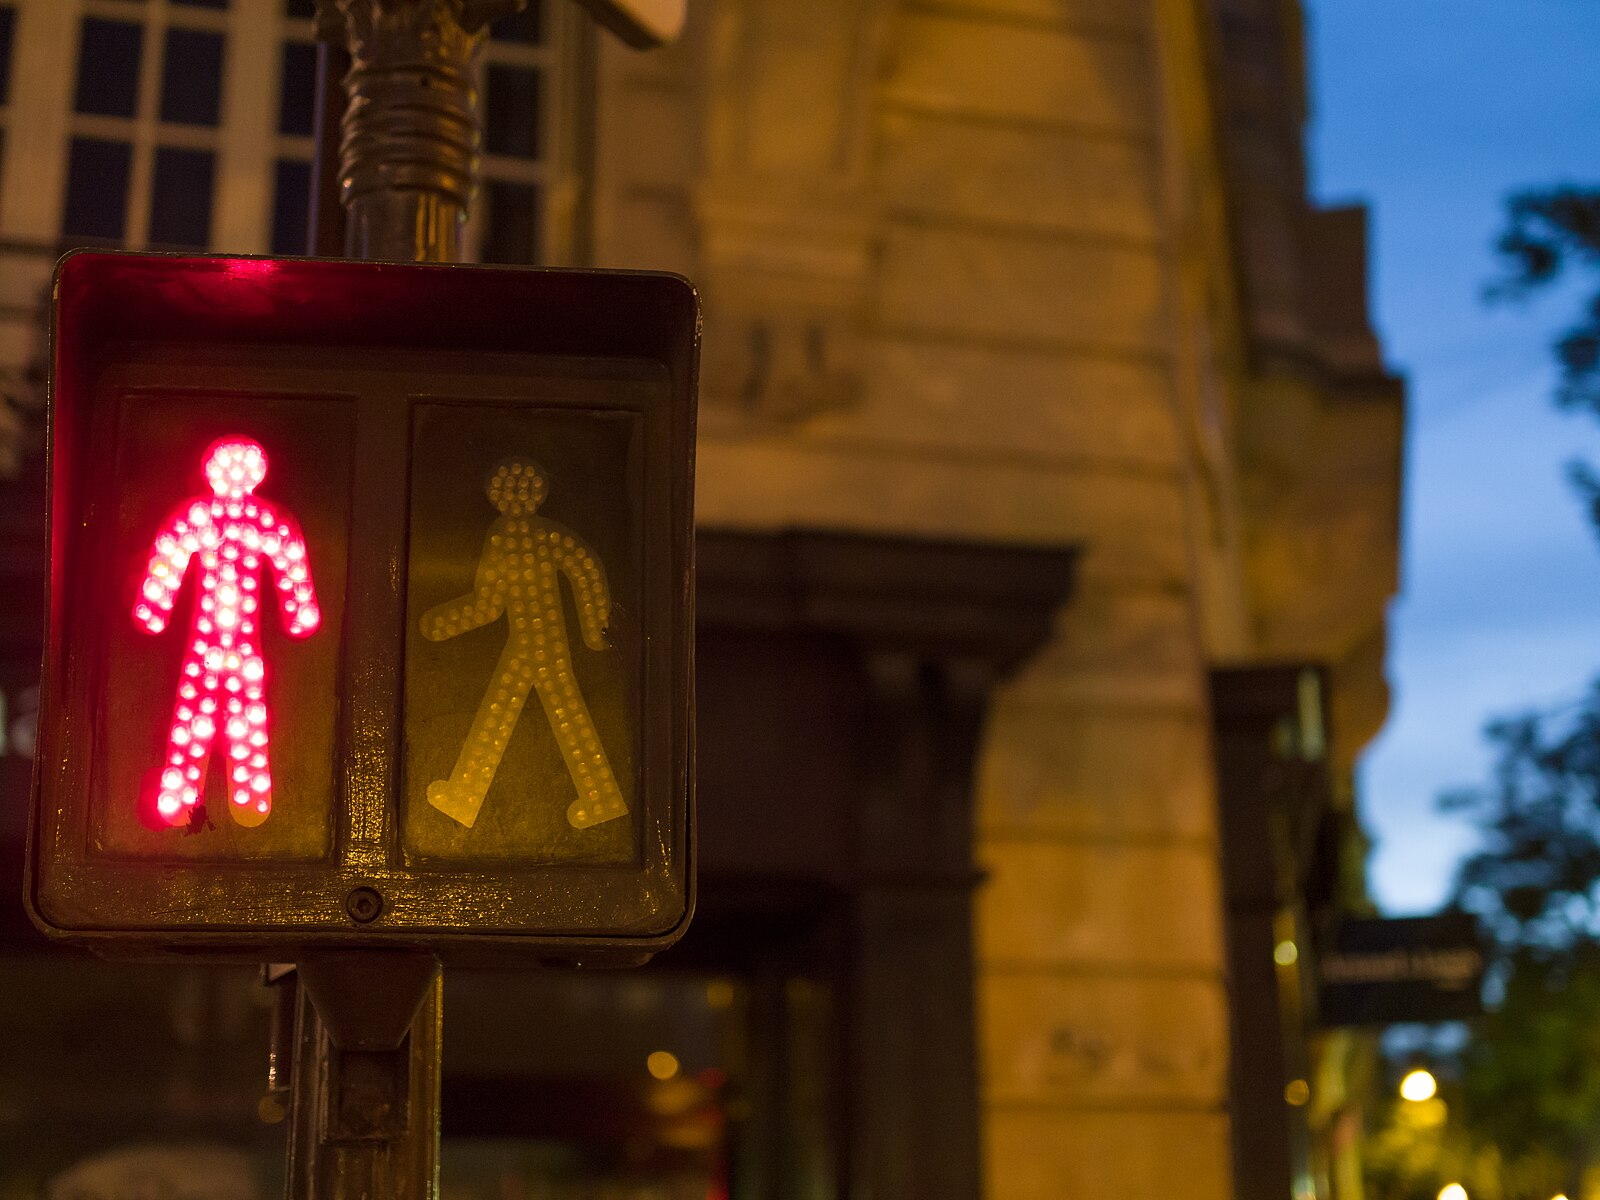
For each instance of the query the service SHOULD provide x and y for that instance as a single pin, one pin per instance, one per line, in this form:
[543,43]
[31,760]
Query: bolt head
[363,905]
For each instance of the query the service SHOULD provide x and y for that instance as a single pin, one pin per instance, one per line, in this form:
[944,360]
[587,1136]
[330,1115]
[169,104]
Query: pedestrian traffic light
[369,612]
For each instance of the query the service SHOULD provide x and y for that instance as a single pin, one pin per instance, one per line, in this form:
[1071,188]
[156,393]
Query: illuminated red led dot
[228,531]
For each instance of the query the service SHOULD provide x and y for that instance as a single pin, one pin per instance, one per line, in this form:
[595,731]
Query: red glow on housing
[222,684]
[249,268]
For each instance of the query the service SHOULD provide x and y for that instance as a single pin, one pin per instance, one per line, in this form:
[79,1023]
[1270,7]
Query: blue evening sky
[1432,111]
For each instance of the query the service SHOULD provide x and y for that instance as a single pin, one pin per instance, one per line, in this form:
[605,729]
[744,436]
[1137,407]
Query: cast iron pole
[364,1121]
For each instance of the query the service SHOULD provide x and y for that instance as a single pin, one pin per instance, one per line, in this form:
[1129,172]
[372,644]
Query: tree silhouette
[1530,1072]
[1524,1088]
[1550,233]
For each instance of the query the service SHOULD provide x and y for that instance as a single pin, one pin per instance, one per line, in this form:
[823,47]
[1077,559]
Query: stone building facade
[1016,274]
[1046,271]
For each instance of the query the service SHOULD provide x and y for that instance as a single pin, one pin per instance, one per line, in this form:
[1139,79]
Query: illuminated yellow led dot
[1298,1092]
[1285,953]
[1452,1191]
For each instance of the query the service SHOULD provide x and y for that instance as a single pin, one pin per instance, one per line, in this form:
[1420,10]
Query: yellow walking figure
[519,577]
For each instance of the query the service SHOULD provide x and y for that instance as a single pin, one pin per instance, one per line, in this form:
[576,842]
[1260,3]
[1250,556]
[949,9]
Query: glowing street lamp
[1419,1085]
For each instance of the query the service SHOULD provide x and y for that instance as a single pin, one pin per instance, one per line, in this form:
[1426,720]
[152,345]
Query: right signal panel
[524,648]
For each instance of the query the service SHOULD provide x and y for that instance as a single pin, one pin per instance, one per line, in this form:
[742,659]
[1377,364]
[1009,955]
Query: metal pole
[364,1120]
[409,152]
[325,223]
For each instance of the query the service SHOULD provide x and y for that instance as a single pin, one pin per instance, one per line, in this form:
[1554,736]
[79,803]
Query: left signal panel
[204,589]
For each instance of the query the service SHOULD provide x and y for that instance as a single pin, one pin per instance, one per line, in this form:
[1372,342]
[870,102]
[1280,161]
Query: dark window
[8,19]
[300,8]
[97,189]
[511,105]
[520,27]
[297,101]
[191,80]
[291,198]
[180,200]
[511,228]
[108,67]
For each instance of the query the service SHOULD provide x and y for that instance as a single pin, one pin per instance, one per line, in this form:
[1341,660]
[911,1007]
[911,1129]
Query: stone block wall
[968,273]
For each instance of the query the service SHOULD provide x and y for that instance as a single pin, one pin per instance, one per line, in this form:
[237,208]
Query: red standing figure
[223,682]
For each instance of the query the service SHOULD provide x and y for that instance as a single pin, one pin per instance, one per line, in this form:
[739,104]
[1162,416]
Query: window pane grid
[518,84]
[297,88]
[294,106]
[126,129]
[109,54]
[515,170]
[8,17]
[518,56]
[191,83]
[162,16]
[8,21]
[96,202]
[290,215]
[519,186]
[527,27]
[180,210]
[161,142]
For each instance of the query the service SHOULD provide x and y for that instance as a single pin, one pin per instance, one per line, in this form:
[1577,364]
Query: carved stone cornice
[920,632]
[787,217]
[979,603]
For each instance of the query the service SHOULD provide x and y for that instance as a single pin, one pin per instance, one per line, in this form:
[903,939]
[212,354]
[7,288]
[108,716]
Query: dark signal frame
[385,339]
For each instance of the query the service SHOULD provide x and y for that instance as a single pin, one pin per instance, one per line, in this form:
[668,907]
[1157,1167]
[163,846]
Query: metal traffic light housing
[370,610]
